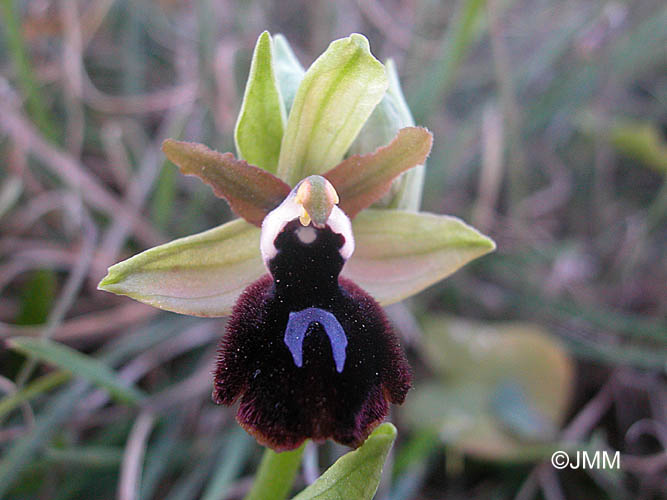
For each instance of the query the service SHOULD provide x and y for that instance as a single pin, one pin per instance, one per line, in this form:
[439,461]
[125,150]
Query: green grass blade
[231,458]
[164,196]
[160,455]
[18,52]
[79,364]
[38,386]
[86,456]
[455,45]
[22,450]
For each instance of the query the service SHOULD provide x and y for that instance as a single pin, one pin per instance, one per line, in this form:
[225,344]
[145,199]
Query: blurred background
[549,120]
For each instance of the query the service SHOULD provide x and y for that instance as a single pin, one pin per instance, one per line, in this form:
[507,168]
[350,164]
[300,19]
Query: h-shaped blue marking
[297,326]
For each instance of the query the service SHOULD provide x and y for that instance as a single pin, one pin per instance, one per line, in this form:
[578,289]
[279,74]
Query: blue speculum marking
[297,326]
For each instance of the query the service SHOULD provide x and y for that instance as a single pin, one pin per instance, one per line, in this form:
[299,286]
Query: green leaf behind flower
[407,189]
[334,99]
[399,253]
[503,389]
[259,126]
[388,117]
[200,275]
[250,191]
[356,475]
[289,71]
[361,180]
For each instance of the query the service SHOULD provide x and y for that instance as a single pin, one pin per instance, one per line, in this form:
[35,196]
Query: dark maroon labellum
[311,355]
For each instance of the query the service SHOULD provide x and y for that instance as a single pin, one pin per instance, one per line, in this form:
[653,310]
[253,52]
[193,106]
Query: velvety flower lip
[282,404]
[311,355]
[337,380]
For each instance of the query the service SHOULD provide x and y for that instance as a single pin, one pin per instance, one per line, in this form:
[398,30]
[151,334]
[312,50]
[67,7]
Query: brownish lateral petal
[361,180]
[250,191]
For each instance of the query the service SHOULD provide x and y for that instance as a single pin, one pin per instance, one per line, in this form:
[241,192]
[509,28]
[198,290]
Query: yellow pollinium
[317,197]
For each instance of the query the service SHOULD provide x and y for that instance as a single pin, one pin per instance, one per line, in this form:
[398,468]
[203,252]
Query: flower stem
[275,476]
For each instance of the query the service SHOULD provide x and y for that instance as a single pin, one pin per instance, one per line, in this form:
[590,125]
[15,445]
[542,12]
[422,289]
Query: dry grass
[526,101]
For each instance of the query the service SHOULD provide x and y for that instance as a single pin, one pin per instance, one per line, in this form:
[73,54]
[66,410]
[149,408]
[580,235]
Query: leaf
[388,117]
[201,275]
[640,141]
[289,71]
[163,448]
[18,454]
[459,413]
[399,253]
[10,192]
[37,298]
[17,51]
[162,204]
[81,365]
[356,475]
[513,408]
[250,191]
[407,189]
[59,408]
[335,98]
[231,458]
[259,127]
[503,392]
[361,180]
[86,456]
[437,80]
[35,388]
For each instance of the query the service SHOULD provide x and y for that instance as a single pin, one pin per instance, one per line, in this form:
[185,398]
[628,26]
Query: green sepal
[199,275]
[388,117]
[400,253]
[333,101]
[261,121]
[288,69]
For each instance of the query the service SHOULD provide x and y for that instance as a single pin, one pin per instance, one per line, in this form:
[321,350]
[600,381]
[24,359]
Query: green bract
[346,103]
[356,474]
[262,112]
[288,70]
[391,115]
[333,101]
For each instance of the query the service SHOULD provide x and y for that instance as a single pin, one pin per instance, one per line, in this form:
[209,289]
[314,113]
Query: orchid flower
[327,186]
